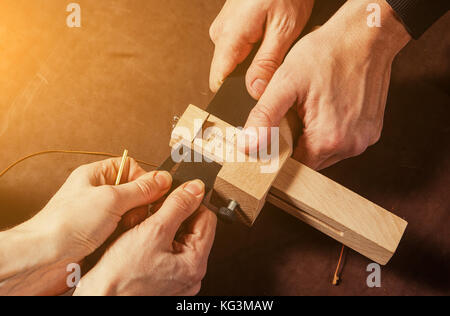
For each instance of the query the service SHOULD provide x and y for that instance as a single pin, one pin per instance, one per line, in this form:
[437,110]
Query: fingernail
[259,85]
[163,179]
[218,84]
[195,187]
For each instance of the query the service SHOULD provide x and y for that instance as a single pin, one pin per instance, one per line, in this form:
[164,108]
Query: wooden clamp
[298,190]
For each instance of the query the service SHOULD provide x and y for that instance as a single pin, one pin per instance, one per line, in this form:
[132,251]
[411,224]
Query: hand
[78,219]
[150,260]
[337,78]
[241,24]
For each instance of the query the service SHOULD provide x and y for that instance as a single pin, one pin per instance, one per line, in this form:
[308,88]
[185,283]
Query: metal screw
[228,214]
[175,120]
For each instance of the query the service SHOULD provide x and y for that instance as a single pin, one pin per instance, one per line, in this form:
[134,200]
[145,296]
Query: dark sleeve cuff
[419,15]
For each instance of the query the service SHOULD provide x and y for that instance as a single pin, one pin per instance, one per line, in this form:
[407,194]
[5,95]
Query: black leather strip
[232,104]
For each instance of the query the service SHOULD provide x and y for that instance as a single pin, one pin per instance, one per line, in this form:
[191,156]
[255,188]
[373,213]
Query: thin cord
[73,152]
[336,277]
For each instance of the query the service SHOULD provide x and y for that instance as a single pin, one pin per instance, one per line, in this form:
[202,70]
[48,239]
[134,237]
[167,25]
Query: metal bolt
[228,214]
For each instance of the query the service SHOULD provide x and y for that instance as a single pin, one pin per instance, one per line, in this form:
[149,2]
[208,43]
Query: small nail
[259,86]
[195,187]
[163,179]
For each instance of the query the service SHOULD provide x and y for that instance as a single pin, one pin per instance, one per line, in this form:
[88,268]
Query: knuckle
[195,274]
[147,189]
[195,290]
[263,113]
[332,144]
[183,200]
[375,137]
[158,228]
[111,194]
[268,62]
[285,76]
[133,162]
[80,171]
[214,31]
[106,167]
[359,146]
[360,143]
[285,25]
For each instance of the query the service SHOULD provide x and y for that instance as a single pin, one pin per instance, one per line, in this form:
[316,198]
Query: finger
[228,54]
[179,205]
[144,190]
[200,232]
[273,105]
[133,172]
[105,172]
[268,59]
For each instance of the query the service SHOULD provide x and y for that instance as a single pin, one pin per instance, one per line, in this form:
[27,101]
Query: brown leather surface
[117,82]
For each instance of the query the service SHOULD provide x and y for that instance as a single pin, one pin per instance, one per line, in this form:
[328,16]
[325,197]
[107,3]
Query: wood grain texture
[188,126]
[342,214]
[302,192]
[248,183]
[241,177]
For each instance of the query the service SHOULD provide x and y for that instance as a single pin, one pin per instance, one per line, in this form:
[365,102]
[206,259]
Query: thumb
[146,189]
[273,105]
[178,207]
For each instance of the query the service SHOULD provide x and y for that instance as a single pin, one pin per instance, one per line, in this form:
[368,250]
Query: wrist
[26,255]
[98,282]
[391,33]
[386,39]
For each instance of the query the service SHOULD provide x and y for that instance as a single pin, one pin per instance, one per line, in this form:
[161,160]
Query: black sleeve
[419,15]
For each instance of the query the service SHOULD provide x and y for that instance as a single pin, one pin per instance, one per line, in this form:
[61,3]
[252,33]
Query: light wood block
[188,126]
[304,193]
[338,212]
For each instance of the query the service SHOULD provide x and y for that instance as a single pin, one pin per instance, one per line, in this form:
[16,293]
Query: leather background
[116,83]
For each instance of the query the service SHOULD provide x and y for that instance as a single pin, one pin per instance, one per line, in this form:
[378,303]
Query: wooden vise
[293,187]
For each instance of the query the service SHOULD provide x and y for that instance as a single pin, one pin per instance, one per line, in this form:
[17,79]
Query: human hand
[150,260]
[77,220]
[241,24]
[337,77]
